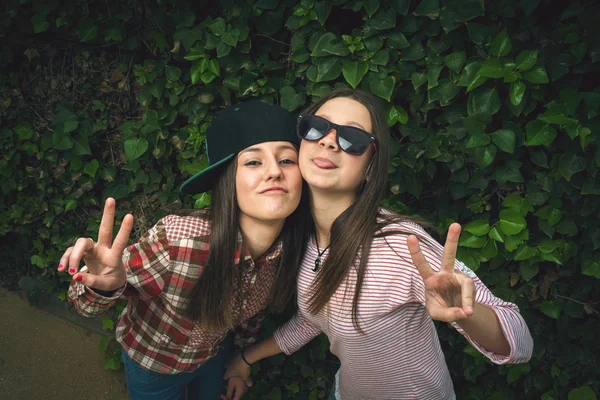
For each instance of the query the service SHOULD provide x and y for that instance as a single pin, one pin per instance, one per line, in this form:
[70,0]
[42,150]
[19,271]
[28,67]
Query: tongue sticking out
[324,163]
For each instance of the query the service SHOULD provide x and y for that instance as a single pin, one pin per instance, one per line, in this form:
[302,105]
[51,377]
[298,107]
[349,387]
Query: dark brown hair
[212,297]
[353,231]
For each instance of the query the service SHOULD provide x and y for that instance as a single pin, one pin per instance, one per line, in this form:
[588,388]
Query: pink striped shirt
[399,355]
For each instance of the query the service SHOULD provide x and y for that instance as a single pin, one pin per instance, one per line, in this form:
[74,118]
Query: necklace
[320,253]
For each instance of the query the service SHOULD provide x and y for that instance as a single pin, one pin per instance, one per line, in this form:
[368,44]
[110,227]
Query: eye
[288,161]
[252,163]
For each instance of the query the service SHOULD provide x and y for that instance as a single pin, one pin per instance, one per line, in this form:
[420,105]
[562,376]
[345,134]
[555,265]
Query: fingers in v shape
[450,248]
[418,258]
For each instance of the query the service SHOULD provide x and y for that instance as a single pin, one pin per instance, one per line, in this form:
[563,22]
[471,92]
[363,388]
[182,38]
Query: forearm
[484,328]
[263,349]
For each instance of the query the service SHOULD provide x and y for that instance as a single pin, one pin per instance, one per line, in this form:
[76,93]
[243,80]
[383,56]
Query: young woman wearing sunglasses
[195,278]
[374,281]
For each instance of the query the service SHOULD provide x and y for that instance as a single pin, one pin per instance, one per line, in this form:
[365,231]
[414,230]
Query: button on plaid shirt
[162,269]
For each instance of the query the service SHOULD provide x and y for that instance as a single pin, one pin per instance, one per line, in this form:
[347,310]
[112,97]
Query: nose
[273,170]
[329,140]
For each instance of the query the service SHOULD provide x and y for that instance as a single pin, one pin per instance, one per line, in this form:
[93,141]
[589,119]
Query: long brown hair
[354,229]
[212,298]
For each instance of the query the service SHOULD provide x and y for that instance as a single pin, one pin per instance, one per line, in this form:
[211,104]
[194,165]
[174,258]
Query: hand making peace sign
[103,259]
[449,294]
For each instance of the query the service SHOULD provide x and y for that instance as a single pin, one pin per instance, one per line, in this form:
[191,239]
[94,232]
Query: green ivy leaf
[491,68]
[428,8]
[517,203]
[516,92]
[433,74]
[328,69]
[582,393]
[570,164]
[397,114]
[539,133]
[496,234]
[383,87]
[486,100]
[528,271]
[477,140]
[470,77]
[329,44]
[525,252]
[479,227]
[290,99]
[505,140]
[484,156]
[526,59]
[135,148]
[39,23]
[537,75]
[90,168]
[371,6]
[472,241]
[382,20]
[172,73]
[87,30]
[418,79]
[591,268]
[24,130]
[195,73]
[71,204]
[501,45]
[511,222]
[552,308]
[354,71]
[398,41]
[455,61]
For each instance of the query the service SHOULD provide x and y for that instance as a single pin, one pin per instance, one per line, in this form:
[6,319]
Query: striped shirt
[162,269]
[399,355]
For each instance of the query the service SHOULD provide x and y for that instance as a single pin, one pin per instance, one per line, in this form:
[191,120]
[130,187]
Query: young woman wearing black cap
[192,280]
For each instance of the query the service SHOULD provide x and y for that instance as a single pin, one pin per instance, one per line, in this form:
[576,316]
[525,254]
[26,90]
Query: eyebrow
[348,124]
[258,150]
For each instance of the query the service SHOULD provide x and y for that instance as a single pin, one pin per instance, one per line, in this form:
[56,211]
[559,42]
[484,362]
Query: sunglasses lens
[353,141]
[311,128]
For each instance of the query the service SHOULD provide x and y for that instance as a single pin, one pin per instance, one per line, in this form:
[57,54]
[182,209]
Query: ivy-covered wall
[493,107]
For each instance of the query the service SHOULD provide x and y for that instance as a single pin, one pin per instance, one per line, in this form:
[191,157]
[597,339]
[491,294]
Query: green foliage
[494,111]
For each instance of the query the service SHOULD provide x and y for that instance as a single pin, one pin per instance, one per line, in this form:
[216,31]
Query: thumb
[249,382]
[95,281]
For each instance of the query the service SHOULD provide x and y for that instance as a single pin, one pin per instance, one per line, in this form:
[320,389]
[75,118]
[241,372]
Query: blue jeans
[205,383]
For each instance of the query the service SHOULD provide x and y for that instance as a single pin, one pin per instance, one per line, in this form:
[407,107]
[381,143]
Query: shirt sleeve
[145,263]
[512,323]
[247,333]
[295,333]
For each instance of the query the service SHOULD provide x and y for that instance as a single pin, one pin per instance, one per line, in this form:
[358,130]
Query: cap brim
[206,179]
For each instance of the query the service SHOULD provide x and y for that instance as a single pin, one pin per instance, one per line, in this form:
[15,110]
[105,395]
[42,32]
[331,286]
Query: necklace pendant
[317,264]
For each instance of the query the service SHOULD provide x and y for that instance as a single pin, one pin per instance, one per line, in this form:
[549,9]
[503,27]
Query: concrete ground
[45,357]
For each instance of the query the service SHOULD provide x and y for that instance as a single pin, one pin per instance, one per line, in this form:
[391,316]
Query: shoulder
[393,226]
[180,227]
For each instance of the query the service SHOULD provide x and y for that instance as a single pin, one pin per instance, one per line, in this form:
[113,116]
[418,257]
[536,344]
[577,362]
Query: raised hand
[105,269]
[449,294]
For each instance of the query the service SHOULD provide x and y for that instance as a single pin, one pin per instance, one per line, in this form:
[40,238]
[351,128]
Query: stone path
[44,357]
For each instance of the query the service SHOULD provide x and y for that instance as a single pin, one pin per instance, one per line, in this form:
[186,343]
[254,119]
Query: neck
[326,206]
[259,235]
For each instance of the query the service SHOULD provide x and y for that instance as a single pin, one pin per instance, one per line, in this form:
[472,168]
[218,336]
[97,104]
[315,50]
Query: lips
[324,163]
[274,189]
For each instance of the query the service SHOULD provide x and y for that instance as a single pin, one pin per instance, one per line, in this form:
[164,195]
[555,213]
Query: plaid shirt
[162,269]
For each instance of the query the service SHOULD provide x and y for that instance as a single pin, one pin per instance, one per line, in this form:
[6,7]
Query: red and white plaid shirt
[162,269]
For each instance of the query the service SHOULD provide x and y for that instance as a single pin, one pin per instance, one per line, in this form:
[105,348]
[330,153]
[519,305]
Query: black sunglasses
[352,140]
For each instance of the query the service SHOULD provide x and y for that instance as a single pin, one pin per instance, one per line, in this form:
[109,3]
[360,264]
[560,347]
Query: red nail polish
[71,270]
[79,278]
[60,267]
